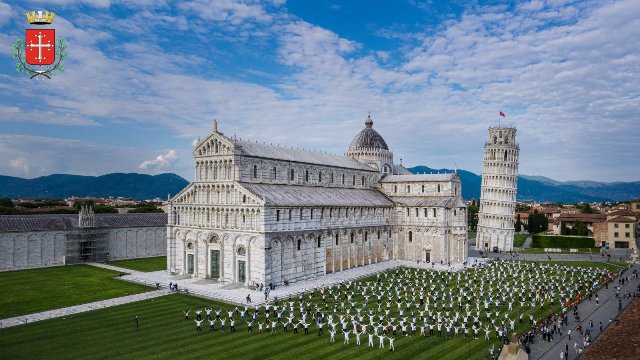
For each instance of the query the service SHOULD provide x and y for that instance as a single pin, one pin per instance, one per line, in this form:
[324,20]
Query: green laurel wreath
[23,67]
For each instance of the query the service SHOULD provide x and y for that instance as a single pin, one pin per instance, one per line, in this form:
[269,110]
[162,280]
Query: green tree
[472,217]
[580,229]
[97,208]
[585,208]
[6,202]
[146,208]
[518,223]
[537,223]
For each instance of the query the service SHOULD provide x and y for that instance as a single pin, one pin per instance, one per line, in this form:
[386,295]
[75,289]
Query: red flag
[501,114]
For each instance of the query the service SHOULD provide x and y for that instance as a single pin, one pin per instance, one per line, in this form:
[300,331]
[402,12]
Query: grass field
[35,290]
[144,264]
[519,239]
[163,334]
[594,251]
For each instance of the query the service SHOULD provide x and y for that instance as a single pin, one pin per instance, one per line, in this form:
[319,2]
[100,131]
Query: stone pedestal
[513,351]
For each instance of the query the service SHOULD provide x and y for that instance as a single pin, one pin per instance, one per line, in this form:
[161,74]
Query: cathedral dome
[368,138]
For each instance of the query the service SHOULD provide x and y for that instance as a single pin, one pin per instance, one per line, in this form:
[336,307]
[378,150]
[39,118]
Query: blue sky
[145,78]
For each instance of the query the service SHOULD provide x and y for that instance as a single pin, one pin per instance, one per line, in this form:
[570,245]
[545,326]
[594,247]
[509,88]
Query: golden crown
[40,17]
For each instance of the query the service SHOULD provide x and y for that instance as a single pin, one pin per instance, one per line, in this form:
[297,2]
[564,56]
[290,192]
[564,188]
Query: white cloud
[5,13]
[161,162]
[43,155]
[94,3]
[560,72]
[21,164]
[233,11]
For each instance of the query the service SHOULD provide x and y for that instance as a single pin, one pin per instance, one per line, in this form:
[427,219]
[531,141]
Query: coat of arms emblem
[39,54]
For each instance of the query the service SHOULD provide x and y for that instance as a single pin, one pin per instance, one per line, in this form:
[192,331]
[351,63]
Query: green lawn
[144,264]
[594,251]
[35,290]
[163,334]
[613,266]
[519,239]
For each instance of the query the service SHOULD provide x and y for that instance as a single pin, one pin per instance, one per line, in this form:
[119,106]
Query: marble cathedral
[259,213]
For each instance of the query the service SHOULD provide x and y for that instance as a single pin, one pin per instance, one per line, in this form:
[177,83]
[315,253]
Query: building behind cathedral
[259,213]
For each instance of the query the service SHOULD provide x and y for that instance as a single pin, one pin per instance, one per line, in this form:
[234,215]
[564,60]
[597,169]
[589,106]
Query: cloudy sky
[144,78]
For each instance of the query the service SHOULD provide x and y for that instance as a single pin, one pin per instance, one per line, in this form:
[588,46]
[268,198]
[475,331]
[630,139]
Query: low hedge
[553,241]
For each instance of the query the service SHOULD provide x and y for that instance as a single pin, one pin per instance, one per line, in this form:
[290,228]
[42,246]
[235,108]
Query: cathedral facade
[259,213]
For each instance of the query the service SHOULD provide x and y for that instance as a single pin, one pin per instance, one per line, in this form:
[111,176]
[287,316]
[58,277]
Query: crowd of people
[484,303]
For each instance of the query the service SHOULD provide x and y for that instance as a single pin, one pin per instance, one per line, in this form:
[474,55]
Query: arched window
[319,241]
[342,179]
[378,234]
[352,237]
[301,211]
[274,174]
[190,246]
[242,251]
[505,155]
[386,169]
[353,182]
[416,212]
[244,199]
[306,175]
[292,176]
[319,176]
[395,188]
[332,178]
[244,219]
[410,236]
[438,187]
[408,189]
[363,181]
[422,188]
[299,244]
[337,239]
[434,212]
[255,171]
[366,237]
[495,139]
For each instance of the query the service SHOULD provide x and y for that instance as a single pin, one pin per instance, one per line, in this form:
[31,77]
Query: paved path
[114,268]
[24,319]
[527,243]
[237,294]
[588,310]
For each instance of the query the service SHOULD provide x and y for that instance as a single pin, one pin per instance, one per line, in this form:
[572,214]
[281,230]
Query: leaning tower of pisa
[499,188]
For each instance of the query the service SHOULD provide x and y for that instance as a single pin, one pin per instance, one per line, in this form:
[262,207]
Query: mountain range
[144,187]
[543,189]
[60,186]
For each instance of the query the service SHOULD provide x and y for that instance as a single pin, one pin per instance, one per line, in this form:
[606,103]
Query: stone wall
[22,250]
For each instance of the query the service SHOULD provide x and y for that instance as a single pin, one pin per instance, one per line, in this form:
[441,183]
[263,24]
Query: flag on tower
[501,114]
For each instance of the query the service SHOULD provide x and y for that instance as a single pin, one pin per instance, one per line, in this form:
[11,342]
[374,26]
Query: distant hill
[60,186]
[543,189]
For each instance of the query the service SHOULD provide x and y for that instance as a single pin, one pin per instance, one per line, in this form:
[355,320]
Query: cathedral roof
[419,177]
[296,155]
[428,201]
[59,222]
[295,195]
[368,138]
